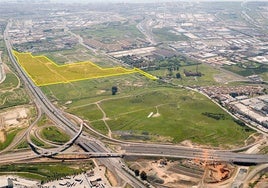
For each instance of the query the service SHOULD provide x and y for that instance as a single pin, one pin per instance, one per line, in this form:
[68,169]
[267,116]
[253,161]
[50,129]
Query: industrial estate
[133,94]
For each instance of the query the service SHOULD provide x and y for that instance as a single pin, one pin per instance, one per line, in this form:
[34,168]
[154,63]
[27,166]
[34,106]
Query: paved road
[2,71]
[191,153]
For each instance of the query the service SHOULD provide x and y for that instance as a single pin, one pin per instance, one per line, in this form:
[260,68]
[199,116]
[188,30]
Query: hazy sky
[121,1]
[132,1]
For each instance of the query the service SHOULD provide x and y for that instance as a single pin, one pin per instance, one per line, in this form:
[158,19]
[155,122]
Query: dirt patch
[156,115]
[2,136]
[68,102]
[100,92]
[15,117]
[187,143]
[218,172]
[111,178]
[159,172]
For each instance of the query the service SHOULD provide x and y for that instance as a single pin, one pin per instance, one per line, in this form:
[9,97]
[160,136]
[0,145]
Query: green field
[46,171]
[10,135]
[66,56]
[108,33]
[180,110]
[164,34]
[13,98]
[10,82]
[54,134]
[207,77]
[259,69]
[86,92]
[180,118]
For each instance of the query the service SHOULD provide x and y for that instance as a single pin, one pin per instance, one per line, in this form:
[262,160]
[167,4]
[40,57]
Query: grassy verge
[54,134]
[99,126]
[46,171]
[9,138]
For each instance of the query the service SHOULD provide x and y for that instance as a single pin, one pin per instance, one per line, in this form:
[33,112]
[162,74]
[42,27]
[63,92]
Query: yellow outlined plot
[43,71]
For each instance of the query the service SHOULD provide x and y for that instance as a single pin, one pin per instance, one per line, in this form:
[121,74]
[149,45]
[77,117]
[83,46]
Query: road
[191,153]
[144,27]
[8,158]
[2,71]
[66,124]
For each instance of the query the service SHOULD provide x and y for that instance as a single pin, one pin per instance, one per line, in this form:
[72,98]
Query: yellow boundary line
[135,70]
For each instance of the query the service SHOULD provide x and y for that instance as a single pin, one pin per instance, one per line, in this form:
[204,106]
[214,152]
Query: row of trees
[142,175]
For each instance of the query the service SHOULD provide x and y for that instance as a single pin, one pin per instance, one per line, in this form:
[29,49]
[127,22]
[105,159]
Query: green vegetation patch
[37,142]
[107,33]
[9,138]
[180,116]
[46,171]
[250,68]
[10,82]
[86,92]
[168,34]
[23,144]
[99,126]
[54,134]
[88,112]
[13,98]
[207,77]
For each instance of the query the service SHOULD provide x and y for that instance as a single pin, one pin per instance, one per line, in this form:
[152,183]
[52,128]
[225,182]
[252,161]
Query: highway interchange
[91,145]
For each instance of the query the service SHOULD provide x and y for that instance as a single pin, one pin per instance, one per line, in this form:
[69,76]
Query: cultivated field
[43,71]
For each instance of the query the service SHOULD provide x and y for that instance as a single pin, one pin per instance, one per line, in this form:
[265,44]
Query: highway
[2,71]
[66,124]
[191,153]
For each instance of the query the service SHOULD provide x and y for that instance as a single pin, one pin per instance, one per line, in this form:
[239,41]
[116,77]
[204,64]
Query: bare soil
[111,178]
[15,117]
[2,136]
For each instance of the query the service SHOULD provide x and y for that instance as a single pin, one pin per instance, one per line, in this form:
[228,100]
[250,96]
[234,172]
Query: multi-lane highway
[191,153]
[2,71]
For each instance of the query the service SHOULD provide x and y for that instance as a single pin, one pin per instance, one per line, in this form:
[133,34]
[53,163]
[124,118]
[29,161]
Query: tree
[178,75]
[137,172]
[143,175]
[114,90]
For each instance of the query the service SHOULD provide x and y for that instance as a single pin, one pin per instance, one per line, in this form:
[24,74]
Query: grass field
[110,32]
[54,134]
[10,82]
[43,71]
[180,110]
[261,70]
[207,77]
[164,34]
[13,98]
[46,171]
[68,56]
[180,117]
[86,92]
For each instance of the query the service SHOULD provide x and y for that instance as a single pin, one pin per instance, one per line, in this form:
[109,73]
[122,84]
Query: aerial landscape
[134,94]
